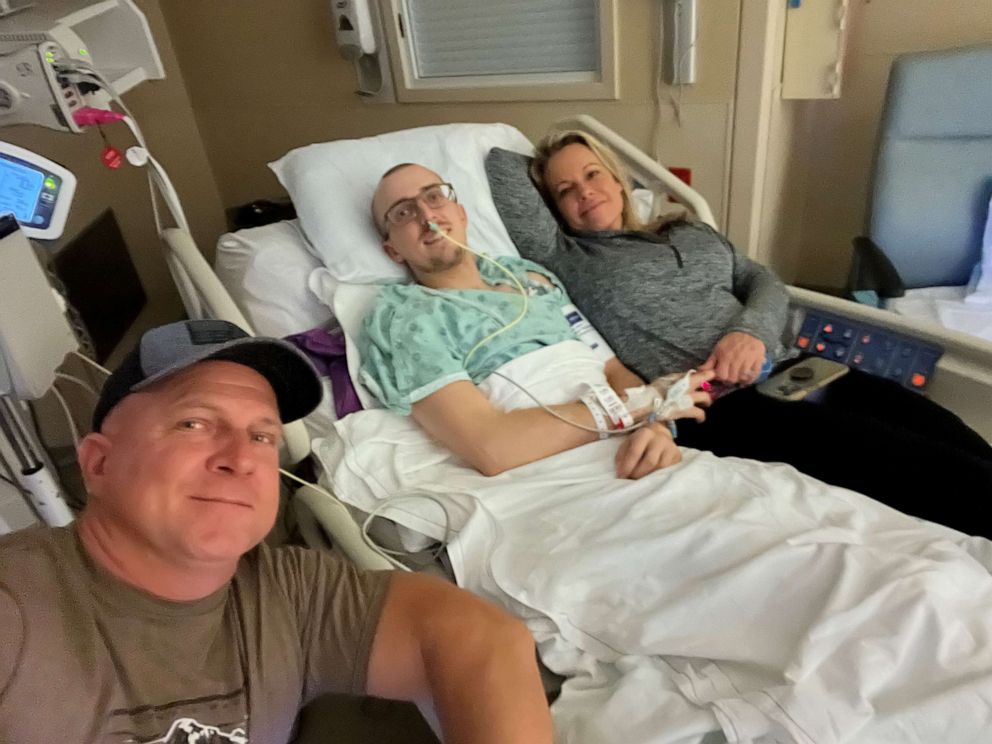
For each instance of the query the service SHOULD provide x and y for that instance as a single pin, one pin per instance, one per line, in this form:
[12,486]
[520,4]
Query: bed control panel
[877,351]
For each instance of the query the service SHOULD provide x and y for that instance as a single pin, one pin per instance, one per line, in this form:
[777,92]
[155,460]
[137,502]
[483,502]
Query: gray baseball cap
[165,350]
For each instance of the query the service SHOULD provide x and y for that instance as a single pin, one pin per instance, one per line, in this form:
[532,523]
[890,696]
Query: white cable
[529,394]
[375,548]
[73,429]
[89,361]
[392,501]
[520,288]
[82,383]
[158,179]
[523,311]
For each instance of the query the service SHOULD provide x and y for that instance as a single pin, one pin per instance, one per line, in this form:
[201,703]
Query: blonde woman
[674,294]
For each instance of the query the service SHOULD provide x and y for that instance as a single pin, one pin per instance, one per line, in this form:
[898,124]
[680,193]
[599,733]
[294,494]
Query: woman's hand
[737,358]
[648,449]
[698,385]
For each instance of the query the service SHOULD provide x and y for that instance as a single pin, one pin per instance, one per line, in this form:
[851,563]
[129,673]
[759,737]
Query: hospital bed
[960,380]
[277,278]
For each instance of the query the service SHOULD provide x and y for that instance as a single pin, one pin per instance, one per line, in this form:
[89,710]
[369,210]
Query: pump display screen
[27,191]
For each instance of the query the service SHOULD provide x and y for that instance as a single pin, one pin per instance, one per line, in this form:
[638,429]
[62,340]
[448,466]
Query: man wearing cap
[159,616]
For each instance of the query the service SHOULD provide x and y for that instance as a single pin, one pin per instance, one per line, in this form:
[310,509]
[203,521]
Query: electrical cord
[98,367]
[158,179]
[675,100]
[387,553]
[365,538]
[82,383]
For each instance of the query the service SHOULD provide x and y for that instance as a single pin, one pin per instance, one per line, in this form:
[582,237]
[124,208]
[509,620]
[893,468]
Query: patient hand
[697,397]
[648,449]
[737,358]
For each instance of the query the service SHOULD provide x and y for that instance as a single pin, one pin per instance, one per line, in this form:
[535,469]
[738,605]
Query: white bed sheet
[947,307]
[720,597]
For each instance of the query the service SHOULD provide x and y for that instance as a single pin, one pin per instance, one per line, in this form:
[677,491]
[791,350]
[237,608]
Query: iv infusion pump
[35,195]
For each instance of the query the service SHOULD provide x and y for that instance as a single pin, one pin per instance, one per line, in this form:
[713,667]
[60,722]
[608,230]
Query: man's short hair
[379,224]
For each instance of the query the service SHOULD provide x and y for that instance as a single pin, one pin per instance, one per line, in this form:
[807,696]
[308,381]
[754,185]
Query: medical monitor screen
[27,191]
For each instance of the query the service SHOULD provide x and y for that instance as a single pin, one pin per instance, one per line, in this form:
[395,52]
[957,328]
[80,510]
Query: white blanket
[719,598]
[950,307]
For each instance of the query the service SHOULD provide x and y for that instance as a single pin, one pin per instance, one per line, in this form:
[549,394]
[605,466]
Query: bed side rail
[963,379]
[204,296]
[335,519]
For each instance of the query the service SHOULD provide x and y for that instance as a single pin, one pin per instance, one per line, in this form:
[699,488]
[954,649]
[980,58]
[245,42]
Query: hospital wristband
[598,415]
[613,406]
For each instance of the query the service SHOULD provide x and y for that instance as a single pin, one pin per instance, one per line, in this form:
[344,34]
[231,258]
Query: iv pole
[34,339]
[32,472]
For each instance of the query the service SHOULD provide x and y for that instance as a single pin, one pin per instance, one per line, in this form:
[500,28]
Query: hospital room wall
[163,110]
[838,136]
[263,82]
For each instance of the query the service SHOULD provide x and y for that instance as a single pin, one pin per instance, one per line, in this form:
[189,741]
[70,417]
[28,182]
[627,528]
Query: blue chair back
[933,172]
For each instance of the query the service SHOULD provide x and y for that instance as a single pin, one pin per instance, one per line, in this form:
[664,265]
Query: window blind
[456,38]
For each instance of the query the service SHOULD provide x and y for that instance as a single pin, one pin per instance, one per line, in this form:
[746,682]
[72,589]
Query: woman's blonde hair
[554,142]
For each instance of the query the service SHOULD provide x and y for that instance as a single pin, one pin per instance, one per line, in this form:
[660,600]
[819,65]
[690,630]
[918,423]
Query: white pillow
[265,269]
[331,185]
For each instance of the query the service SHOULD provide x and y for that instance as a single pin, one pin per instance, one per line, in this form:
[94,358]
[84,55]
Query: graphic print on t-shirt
[213,719]
[191,731]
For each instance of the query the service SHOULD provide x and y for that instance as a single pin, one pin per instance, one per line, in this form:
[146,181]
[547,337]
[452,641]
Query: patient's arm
[436,643]
[490,440]
[646,450]
[619,377]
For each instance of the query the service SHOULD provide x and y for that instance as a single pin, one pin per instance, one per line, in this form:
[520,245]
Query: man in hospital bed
[421,351]
[724,595]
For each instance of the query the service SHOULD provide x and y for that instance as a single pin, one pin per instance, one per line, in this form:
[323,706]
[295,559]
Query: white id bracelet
[613,406]
[598,415]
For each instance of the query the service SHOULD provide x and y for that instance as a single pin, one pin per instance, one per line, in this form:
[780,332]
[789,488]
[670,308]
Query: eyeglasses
[406,211]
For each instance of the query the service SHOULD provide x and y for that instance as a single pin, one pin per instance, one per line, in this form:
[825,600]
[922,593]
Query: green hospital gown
[415,340]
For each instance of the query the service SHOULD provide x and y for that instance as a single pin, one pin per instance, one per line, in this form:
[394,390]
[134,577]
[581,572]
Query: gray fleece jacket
[661,301]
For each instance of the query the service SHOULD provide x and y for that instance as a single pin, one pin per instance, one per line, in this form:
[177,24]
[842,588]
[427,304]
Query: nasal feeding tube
[676,397]
[520,287]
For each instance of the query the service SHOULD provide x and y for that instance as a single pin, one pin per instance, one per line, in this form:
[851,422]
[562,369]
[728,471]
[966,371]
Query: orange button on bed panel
[803,342]
[918,380]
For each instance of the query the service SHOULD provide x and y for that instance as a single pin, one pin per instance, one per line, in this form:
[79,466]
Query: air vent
[27,38]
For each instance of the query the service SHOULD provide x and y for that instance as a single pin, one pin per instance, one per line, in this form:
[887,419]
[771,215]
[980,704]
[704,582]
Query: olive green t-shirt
[85,657]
